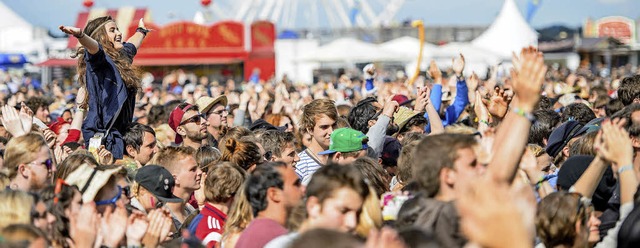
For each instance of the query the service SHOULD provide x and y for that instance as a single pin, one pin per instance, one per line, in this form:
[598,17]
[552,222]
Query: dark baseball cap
[561,136]
[262,124]
[159,181]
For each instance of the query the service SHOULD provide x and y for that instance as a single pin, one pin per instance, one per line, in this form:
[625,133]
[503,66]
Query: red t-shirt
[211,225]
[259,232]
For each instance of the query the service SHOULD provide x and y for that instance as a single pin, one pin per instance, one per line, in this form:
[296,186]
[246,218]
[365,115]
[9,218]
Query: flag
[353,14]
[532,7]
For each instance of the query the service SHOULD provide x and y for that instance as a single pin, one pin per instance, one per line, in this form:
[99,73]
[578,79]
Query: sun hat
[205,103]
[402,116]
[90,180]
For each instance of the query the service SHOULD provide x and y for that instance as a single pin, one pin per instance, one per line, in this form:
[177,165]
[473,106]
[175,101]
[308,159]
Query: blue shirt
[453,112]
[107,94]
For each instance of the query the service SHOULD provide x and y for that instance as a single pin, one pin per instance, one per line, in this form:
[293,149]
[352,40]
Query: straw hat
[90,180]
[205,103]
[402,117]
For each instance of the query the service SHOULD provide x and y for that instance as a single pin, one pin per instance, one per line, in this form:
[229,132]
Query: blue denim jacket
[107,93]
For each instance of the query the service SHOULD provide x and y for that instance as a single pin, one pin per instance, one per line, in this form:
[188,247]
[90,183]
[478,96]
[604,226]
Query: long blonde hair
[371,215]
[95,28]
[240,215]
[15,208]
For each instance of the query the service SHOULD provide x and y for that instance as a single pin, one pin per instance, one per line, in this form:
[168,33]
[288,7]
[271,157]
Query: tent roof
[508,33]
[409,46]
[10,18]
[351,50]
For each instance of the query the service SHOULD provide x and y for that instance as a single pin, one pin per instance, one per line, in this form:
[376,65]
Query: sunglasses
[197,119]
[48,163]
[112,200]
[36,216]
[219,112]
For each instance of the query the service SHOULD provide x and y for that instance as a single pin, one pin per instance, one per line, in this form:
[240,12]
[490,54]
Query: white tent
[349,50]
[409,47]
[15,32]
[477,59]
[508,33]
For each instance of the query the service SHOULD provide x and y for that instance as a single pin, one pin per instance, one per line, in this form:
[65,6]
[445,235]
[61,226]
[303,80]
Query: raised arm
[515,128]
[85,40]
[462,93]
[138,36]
[423,104]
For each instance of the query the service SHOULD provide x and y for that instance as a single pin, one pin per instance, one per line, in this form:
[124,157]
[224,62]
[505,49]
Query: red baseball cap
[175,118]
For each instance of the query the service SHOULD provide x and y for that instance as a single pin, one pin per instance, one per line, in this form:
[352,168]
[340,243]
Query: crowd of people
[542,157]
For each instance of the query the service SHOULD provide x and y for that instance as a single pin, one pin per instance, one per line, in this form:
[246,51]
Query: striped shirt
[306,166]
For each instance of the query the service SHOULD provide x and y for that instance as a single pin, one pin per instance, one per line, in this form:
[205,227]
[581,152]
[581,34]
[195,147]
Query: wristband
[485,122]
[142,30]
[524,114]
[544,179]
[79,36]
[625,168]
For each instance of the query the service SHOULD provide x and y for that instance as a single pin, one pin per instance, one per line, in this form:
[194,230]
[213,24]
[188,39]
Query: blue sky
[51,13]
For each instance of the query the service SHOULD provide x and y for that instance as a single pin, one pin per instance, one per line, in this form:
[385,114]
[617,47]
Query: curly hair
[360,114]
[35,102]
[629,89]
[579,112]
[130,74]
[275,141]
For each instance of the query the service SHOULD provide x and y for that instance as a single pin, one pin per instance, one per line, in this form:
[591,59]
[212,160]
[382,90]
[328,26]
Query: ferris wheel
[295,14]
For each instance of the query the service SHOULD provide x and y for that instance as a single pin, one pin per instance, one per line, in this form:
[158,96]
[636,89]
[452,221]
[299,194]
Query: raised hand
[26,117]
[114,225]
[480,109]
[76,32]
[491,217]
[498,104]
[15,123]
[472,82]
[458,65]
[137,225]
[434,72]
[615,145]
[83,228]
[141,23]
[159,227]
[369,71]
[421,100]
[390,107]
[527,82]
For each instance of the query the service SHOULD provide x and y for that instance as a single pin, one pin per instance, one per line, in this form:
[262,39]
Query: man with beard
[189,124]
[215,112]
